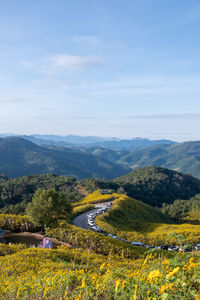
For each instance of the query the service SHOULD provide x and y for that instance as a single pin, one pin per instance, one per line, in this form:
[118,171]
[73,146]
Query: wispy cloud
[186,116]
[63,62]
[87,40]
[12,100]
[72,62]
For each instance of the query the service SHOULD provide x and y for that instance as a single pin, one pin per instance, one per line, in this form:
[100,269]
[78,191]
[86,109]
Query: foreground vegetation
[96,266]
[82,274]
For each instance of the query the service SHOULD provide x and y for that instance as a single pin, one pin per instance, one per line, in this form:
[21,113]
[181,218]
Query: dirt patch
[30,239]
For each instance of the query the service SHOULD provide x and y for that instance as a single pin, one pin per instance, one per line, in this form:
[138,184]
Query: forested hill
[155,185]
[19,157]
[184,157]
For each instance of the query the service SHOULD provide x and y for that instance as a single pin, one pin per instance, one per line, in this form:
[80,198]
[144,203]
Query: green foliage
[130,214]
[48,207]
[183,210]
[16,223]
[93,184]
[16,193]
[77,210]
[16,209]
[158,185]
[96,242]
[10,249]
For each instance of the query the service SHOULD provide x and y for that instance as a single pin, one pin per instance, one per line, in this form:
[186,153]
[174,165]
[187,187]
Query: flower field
[97,197]
[136,221]
[98,267]
[82,274]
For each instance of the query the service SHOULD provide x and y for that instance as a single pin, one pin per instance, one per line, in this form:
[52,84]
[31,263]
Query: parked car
[173,248]
[163,247]
[186,248]
[137,244]
[197,247]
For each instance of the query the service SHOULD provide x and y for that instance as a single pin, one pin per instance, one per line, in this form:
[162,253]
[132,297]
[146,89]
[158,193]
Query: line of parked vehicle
[91,217]
[91,222]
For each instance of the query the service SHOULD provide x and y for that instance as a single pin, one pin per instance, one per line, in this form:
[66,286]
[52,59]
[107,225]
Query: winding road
[81,220]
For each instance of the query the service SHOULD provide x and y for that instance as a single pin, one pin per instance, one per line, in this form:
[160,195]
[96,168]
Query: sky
[110,68]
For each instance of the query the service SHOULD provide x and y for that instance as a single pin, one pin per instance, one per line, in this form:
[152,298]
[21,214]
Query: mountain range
[183,157]
[19,157]
[81,141]
[93,156]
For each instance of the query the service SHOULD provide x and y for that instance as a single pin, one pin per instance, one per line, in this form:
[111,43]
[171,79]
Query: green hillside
[130,214]
[184,157]
[19,157]
[20,190]
[155,185]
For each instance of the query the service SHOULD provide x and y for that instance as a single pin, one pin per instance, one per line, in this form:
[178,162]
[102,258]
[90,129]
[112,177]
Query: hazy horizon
[9,134]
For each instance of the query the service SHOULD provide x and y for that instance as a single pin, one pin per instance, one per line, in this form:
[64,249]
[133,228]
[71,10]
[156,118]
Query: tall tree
[48,207]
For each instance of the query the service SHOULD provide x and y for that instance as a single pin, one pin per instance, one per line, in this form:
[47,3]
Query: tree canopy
[48,207]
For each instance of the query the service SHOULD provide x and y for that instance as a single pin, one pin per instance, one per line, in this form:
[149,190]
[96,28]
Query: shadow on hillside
[192,222]
[146,227]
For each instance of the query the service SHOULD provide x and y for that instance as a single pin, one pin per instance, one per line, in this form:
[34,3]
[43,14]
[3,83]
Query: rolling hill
[184,157]
[155,185]
[130,214]
[19,157]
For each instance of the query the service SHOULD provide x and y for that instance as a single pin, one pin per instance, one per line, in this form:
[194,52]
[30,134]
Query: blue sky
[106,68]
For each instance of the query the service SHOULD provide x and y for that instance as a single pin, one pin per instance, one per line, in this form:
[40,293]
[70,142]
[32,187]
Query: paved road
[81,220]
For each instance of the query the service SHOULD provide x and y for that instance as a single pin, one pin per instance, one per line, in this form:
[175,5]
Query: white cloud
[62,62]
[72,62]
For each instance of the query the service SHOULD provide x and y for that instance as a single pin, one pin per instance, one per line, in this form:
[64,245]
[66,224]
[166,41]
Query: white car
[197,247]
[91,223]
[112,236]
[137,244]
[173,248]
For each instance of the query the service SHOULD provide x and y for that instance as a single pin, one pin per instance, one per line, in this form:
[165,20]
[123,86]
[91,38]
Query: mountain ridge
[19,157]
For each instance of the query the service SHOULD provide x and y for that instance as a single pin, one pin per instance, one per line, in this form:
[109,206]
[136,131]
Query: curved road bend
[81,220]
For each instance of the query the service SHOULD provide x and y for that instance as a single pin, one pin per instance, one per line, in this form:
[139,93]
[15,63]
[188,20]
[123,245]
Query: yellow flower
[154,275]
[135,292]
[102,266]
[163,288]
[166,262]
[173,272]
[83,284]
[117,284]
[123,284]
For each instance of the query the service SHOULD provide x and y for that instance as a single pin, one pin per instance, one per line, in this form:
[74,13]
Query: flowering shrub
[16,222]
[96,197]
[136,221]
[77,210]
[78,274]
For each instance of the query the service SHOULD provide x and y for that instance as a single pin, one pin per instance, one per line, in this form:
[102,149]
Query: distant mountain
[112,155]
[184,157]
[132,144]
[155,185]
[93,141]
[72,139]
[44,142]
[19,157]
